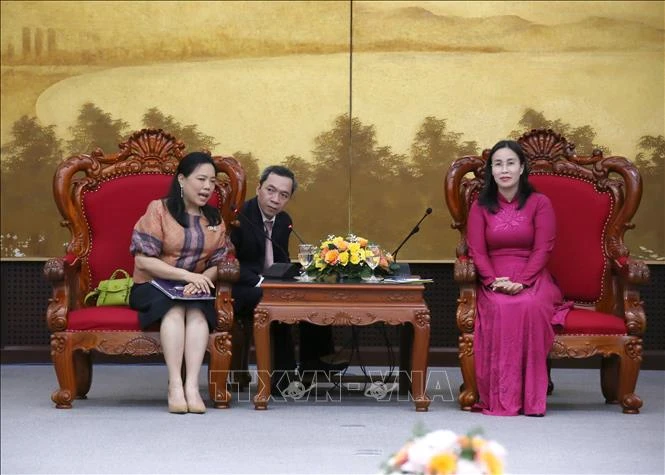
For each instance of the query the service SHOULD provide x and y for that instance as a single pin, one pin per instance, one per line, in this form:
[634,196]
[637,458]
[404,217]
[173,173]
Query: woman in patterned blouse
[180,238]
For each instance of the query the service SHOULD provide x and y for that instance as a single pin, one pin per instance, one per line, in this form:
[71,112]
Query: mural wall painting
[368,102]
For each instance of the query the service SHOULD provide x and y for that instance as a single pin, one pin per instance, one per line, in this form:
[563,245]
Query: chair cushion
[590,322]
[578,261]
[104,318]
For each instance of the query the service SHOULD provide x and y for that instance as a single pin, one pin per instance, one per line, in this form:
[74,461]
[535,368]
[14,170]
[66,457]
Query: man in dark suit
[264,216]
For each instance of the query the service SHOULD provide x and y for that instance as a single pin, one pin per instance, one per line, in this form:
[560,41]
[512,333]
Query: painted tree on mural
[650,221]
[96,128]
[583,136]
[434,148]
[189,134]
[29,216]
[250,164]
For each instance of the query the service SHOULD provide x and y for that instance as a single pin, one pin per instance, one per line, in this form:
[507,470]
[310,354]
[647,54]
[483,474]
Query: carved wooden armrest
[228,271]
[61,272]
[632,272]
[465,276]
[465,270]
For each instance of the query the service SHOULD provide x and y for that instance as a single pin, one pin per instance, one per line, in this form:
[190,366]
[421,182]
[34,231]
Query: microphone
[278,270]
[415,229]
[296,233]
[261,230]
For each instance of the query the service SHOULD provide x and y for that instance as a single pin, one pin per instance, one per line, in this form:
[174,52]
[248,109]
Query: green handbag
[114,291]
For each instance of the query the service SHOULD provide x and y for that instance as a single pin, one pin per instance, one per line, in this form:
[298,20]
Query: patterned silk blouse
[158,234]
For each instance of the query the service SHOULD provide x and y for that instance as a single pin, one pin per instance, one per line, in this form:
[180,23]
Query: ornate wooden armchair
[594,199]
[100,198]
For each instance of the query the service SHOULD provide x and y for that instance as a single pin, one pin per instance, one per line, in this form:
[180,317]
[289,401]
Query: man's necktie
[269,258]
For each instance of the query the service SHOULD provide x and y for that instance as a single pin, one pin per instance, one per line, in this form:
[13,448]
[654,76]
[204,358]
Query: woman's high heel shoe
[177,408]
[177,405]
[195,404]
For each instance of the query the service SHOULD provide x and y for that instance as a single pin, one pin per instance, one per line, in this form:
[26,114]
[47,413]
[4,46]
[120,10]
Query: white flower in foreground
[424,448]
[467,467]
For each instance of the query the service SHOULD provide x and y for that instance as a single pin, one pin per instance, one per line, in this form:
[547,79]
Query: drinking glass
[305,257]
[372,259]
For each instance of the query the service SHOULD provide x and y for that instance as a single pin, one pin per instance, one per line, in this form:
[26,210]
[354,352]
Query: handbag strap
[119,271]
[90,294]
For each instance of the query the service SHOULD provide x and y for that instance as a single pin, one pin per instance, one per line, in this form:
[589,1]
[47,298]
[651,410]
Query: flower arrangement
[443,452]
[338,257]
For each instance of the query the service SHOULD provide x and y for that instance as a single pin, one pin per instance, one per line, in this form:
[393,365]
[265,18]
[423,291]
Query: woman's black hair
[174,200]
[488,195]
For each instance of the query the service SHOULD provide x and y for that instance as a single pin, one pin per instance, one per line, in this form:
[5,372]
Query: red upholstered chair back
[578,261]
[102,197]
[111,210]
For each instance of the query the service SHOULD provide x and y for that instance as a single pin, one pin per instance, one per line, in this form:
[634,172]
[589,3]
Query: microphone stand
[415,229]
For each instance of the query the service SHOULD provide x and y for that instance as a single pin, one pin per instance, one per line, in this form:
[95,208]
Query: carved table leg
[421,330]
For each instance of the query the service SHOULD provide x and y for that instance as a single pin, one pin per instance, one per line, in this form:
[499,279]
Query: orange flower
[331,257]
[340,243]
[363,242]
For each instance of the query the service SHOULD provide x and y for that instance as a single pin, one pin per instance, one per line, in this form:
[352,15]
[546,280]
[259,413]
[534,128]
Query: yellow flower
[344,258]
[442,464]
[494,464]
[355,258]
[354,247]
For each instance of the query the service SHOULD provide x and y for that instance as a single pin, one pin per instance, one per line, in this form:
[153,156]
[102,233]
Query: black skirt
[152,305]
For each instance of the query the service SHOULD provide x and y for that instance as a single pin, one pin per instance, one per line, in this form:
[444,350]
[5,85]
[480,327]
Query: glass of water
[305,257]
[372,259]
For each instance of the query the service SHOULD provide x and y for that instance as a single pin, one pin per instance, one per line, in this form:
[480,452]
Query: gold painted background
[368,102]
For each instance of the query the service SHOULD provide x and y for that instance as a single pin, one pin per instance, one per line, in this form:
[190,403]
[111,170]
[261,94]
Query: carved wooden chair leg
[629,369]
[468,391]
[219,347]
[83,370]
[550,384]
[609,379]
[63,363]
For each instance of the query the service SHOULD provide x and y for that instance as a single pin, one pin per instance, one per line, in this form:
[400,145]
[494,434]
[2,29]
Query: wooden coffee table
[345,304]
